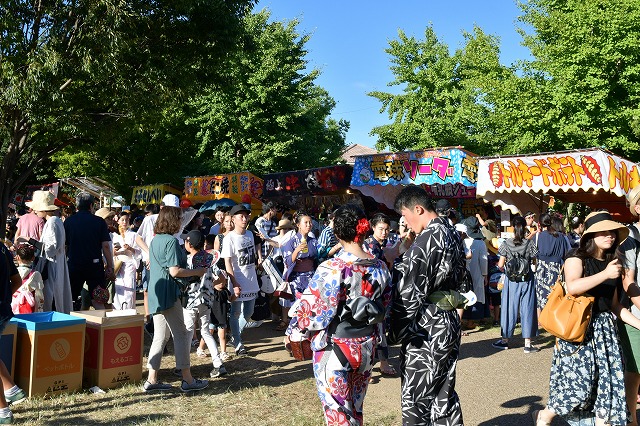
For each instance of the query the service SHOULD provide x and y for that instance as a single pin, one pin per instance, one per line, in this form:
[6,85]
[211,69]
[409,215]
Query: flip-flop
[389,371]
[282,326]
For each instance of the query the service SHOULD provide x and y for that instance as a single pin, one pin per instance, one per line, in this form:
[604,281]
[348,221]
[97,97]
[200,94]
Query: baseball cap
[195,238]
[171,200]
[239,208]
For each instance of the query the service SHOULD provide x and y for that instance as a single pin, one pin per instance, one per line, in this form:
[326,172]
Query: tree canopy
[579,90]
[79,74]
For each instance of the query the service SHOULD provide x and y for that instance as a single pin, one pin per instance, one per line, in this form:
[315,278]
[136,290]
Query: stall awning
[594,177]
[97,187]
[320,181]
[148,194]
[240,187]
[444,172]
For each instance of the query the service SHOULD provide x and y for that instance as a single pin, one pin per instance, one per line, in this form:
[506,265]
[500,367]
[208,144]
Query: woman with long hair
[552,248]
[518,293]
[342,308]
[168,263]
[587,378]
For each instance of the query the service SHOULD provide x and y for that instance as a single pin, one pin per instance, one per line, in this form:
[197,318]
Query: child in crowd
[29,298]
[201,295]
[9,282]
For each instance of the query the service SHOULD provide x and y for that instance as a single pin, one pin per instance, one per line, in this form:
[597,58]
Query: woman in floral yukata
[343,309]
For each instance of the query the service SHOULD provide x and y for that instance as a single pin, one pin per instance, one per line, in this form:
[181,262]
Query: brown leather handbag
[564,316]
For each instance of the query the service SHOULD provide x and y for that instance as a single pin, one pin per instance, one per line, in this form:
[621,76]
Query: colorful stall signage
[318,181]
[442,172]
[500,180]
[240,187]
[152,194]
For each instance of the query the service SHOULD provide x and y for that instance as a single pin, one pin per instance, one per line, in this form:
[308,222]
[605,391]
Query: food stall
[312,190]
[243,187]
[594,177]
[153,194]
[449,173]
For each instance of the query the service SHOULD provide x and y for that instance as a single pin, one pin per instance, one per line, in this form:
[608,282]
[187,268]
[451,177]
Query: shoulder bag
[564,316]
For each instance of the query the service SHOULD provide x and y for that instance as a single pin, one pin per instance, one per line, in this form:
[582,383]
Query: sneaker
[241,350]
[501,344]
[218,371]
[197,385]
[177,372]
[224,357]
[16,398]
[156,387]
[6,420]
[253,324]
[531,349]
[200,353]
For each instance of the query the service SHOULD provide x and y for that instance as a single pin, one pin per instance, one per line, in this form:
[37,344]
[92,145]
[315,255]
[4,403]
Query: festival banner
[240,187]
[443,172]
[152,194]
[586,170]
[324,180]
[590,176]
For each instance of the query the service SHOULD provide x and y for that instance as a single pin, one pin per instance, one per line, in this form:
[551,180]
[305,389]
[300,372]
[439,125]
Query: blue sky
[348,39]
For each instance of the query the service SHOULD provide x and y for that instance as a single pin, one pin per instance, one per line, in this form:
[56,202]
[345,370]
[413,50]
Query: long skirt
[342,371]
[545,277]
[588,377]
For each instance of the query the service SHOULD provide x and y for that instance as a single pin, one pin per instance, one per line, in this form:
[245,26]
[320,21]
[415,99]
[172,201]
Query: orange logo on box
[58,353]
[122,347]
[122,343]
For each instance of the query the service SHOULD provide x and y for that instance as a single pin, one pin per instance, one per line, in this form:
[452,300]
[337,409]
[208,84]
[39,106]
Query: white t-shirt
[241,250]
[146,232]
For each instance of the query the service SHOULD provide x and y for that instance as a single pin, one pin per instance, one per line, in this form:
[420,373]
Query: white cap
[460,227]
[171,200]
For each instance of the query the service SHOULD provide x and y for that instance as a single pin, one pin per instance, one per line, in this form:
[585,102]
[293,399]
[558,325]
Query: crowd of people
[350,284]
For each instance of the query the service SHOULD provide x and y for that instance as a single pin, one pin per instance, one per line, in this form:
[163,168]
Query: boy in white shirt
[240,253]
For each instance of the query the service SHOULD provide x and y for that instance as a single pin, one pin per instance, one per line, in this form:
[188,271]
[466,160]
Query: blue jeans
[239,314]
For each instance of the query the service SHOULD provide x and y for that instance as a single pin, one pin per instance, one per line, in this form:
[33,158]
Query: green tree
[269,115]
[587,56]
[81,73]
[446,99]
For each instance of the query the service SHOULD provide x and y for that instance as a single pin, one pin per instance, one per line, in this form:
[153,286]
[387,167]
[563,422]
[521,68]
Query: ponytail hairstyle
[547,222]
[519,227]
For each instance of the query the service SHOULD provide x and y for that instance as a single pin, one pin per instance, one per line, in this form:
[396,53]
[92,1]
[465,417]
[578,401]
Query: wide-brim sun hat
[602,221]
[634,198]
[105,213]
[42,201]
[285,224]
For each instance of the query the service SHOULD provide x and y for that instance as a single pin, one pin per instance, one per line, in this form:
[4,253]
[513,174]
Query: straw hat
[634,198]
[602,221]
[105,213]
[285,224]
[43,201]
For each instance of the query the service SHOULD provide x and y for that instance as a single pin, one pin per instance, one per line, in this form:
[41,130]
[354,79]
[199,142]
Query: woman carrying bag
[587,378]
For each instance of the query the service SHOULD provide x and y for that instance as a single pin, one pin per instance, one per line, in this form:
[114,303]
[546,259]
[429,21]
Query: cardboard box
[50,350]
[8,346]
[113,347]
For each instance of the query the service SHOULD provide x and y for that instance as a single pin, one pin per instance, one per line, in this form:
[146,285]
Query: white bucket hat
[42,201]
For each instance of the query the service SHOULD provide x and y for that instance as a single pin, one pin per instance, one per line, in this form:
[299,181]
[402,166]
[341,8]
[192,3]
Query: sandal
[282,326]
[389,371]
[537,421]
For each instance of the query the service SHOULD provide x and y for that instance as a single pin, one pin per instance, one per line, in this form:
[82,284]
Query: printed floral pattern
[342,366]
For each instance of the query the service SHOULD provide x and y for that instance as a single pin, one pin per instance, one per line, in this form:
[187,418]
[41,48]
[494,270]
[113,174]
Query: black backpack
[518,267]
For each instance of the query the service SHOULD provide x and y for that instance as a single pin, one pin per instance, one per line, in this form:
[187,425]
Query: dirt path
[495,387]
